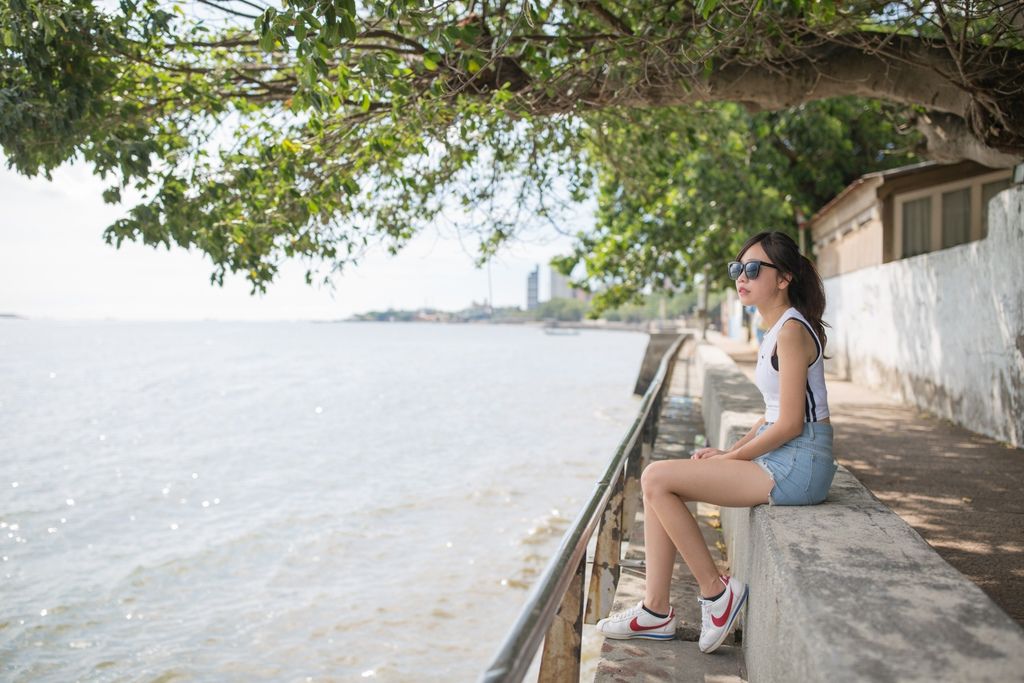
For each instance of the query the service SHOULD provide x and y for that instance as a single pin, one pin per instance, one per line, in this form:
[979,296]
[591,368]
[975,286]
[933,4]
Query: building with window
[532,288]
[923,290]
[560,288]
[904,212]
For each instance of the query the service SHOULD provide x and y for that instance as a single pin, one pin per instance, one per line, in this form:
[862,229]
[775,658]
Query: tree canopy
[260,133]
[680,188]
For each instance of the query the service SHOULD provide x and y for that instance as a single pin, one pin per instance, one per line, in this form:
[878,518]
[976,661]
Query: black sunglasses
[752,269]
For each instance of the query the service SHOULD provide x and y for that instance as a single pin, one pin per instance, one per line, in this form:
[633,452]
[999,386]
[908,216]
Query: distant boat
[555,328]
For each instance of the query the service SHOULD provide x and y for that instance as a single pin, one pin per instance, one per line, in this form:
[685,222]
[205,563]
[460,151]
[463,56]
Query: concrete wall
[846,591]
[943,330]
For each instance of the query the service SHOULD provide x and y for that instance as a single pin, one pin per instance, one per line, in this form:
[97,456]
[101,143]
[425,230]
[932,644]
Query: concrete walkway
[961,491]
[676,660]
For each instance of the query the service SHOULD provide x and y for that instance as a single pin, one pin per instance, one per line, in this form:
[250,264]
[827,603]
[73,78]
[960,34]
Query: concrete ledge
[846,590]
[731,402]
[657,344]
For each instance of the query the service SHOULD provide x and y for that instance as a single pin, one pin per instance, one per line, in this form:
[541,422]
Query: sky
[54,264]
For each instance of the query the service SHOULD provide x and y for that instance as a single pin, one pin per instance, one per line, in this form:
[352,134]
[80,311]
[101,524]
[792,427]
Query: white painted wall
[943,330]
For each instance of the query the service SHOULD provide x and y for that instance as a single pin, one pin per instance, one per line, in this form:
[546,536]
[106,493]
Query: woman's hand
[705,453]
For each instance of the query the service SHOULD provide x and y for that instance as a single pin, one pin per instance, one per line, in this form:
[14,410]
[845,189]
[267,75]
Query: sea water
[217,501]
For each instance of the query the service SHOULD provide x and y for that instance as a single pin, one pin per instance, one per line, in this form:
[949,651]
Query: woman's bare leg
[668,484]
[659,558]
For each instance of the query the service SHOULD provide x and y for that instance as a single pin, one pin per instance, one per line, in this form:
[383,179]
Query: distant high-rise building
[560,288]
[532,287]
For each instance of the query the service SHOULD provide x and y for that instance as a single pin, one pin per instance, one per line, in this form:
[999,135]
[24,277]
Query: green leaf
[348,27]
[706,7]
[112,195]
[267,41]
[310,20]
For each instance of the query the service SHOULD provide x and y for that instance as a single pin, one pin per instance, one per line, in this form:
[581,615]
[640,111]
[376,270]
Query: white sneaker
[719,616]
[637,622]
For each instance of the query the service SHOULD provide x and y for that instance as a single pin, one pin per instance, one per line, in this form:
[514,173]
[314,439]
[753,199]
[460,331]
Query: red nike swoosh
[635,625]
[719,622]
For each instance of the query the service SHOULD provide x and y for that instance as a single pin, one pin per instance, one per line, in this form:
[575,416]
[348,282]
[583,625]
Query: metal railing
[554,609]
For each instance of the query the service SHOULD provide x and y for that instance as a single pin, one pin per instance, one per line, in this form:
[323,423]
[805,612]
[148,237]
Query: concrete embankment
[959,489]
[846,590]
[657,345]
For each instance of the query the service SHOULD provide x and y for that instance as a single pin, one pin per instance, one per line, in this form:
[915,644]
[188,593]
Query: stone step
[633,661]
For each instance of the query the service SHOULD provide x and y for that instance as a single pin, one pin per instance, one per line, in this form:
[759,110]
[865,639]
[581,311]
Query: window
[917,226]
[988,191]
[956,217]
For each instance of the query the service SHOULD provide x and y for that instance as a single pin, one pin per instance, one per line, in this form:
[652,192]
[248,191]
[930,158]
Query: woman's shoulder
[795,330]
[794,334]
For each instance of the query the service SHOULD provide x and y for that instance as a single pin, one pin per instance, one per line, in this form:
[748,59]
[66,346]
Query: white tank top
[766,376]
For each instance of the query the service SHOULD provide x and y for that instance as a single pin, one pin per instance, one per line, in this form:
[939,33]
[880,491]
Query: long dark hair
[806,292]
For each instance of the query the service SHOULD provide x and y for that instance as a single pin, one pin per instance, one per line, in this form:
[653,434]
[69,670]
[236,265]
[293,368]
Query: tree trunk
[963,122]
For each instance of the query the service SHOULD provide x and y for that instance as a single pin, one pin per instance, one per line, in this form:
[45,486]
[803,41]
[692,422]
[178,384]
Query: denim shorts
[802,468]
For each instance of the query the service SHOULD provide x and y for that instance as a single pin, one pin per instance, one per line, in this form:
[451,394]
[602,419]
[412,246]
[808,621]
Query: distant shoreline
[645,326]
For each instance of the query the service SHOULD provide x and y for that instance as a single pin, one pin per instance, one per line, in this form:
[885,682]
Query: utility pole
[702,301]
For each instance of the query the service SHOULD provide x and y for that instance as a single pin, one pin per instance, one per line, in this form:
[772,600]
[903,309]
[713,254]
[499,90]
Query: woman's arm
[709,452]
[749,435]
[793,353]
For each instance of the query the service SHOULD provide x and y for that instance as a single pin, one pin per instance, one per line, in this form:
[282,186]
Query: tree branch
[226,10]
[606,17]
[397,37]
[950,140]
